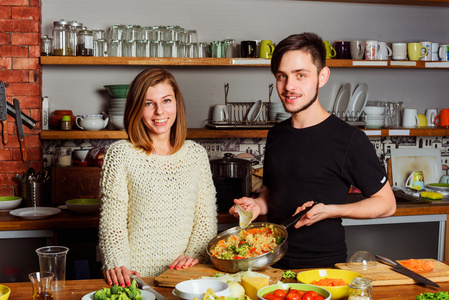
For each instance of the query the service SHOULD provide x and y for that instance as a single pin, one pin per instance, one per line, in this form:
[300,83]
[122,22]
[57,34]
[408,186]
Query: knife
[23,147]
[3,112]
[407,272]
[146,287]
[26,119]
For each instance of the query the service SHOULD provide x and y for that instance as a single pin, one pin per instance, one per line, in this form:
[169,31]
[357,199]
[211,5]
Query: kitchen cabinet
[197,133]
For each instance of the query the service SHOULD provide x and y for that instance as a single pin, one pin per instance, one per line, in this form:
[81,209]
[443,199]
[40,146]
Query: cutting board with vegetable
[382,274]
[172,277]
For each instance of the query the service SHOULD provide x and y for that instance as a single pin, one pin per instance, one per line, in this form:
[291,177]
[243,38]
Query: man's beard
[306,106]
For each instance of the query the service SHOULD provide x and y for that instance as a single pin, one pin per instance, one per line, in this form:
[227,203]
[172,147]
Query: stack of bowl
[375,116]
[117,103]
[275,108]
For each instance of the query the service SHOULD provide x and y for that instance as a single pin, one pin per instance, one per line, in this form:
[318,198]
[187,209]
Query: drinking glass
[115,32]
[41,282]
[191,36]
[157,48]
[132,33]
[115,48]
[129,48]
[144,48]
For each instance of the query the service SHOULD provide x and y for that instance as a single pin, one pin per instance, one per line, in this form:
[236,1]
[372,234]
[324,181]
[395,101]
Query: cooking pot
[232,179]
[258,262]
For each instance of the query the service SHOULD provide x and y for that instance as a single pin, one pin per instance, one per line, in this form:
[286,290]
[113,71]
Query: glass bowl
[362,260]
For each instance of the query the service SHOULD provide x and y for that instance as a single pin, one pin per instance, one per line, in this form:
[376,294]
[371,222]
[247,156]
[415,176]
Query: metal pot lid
[229,159]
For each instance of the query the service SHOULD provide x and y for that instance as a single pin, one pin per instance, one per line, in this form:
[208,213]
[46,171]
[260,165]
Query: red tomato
[269,296]
[279,298]
[280,293]
[310,295]
[293,296]
[319,297]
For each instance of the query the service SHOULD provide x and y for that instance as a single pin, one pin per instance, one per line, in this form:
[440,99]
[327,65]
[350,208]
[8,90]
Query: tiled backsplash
[254,149]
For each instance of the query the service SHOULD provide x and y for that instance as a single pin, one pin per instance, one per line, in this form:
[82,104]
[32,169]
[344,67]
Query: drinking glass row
[148,33]
[153,48]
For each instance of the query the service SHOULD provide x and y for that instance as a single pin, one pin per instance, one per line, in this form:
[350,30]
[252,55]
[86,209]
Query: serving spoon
[245,216]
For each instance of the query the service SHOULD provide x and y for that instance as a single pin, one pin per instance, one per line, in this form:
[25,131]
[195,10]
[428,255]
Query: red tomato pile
[292,294]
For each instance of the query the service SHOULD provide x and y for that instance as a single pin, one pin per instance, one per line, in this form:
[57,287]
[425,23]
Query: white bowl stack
[116,112]
[375,116]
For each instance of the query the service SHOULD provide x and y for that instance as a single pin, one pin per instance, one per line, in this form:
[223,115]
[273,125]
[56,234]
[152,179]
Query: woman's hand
[183,262]
[120,276]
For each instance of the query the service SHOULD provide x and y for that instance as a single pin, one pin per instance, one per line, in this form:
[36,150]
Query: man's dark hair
[308,42]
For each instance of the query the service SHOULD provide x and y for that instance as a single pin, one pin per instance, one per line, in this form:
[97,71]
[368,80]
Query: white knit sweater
[155,208]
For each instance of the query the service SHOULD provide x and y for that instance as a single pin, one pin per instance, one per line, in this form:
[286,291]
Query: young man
[314,156]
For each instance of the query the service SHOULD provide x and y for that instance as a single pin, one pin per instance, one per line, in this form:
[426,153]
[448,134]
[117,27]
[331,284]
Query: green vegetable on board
[288,274]
[433,296]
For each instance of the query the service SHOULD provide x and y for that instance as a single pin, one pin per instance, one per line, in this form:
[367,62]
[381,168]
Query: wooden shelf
[440,3]
[203,133]
[231,62]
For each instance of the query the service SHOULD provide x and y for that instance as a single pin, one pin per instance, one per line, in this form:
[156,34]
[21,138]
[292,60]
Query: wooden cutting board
[172,277]
[383,275]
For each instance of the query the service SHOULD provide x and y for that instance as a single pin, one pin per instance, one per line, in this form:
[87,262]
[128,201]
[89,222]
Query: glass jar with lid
[62,41]
[84,43]
[361,289]
[75,27]
[46,46]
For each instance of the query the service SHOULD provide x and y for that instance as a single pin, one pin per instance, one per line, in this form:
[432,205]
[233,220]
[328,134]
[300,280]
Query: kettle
[232,179]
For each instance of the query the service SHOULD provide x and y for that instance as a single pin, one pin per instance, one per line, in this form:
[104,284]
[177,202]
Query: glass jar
[75,28]
[62,42]
[46,46]
[66,123]
[360,289]
[85,43]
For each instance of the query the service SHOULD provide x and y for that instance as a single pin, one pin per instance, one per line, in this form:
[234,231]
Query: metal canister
[62,42]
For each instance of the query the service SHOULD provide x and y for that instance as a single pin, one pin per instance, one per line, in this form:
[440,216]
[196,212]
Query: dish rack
[239,113]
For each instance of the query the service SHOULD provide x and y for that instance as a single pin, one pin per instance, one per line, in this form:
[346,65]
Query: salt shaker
[360,289]
[46,46]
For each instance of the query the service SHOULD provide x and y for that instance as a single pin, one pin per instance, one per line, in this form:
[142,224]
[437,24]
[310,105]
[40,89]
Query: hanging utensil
[407,272]
[3,112]
[20,134]
[270,91]
[226,88]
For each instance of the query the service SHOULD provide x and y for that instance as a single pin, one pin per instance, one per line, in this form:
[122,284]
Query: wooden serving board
[383,275]
[172,277]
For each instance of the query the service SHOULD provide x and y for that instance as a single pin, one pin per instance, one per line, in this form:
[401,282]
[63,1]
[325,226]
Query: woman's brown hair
[135,102]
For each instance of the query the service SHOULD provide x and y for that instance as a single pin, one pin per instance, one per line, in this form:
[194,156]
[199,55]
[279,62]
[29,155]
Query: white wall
[80,87]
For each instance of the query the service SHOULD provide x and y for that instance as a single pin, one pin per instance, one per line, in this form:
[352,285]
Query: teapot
[91,122]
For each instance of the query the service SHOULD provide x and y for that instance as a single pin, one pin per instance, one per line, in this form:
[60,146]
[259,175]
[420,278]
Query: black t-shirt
[317,163]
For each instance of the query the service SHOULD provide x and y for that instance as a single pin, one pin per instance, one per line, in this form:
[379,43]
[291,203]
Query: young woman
[158,198]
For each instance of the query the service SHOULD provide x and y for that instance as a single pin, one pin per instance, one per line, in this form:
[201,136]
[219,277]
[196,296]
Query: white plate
[434,186]
[35,212]
[358,99]
[145,295]
[342,99]
[254,111]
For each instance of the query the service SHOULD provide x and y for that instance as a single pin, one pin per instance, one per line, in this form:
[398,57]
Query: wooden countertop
[76,289]
[67,219]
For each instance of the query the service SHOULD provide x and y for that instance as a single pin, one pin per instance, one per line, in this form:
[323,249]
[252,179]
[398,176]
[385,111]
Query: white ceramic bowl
[190,289]
[375,117]
[117,111]
[9,202]
[372,124]
[117,121]
[374,110]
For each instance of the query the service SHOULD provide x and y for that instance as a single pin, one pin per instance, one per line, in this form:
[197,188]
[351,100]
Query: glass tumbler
[129,48]
[116,32]
[41,282]
[157,48]
[115,48]
[144,48]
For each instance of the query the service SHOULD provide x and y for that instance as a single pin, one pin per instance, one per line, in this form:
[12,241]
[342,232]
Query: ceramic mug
[357,49]
[416,51]
[444,179]
[330,51]
[248,49]
[371,48]
[399,51]
[443,52]
[343,50]
[266,49]
[431,113]
[422,120]
[415,180]
[444,118]
[428,56]
[220,114]
[384,52]
[435,48]
[410,117]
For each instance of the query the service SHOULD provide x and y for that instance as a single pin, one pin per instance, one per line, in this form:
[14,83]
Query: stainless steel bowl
[255,263]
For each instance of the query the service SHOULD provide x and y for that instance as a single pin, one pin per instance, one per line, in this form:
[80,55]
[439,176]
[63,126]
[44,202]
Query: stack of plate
[116,112]
[375,116]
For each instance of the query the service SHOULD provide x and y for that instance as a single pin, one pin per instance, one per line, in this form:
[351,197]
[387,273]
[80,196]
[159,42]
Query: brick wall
[20,32]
